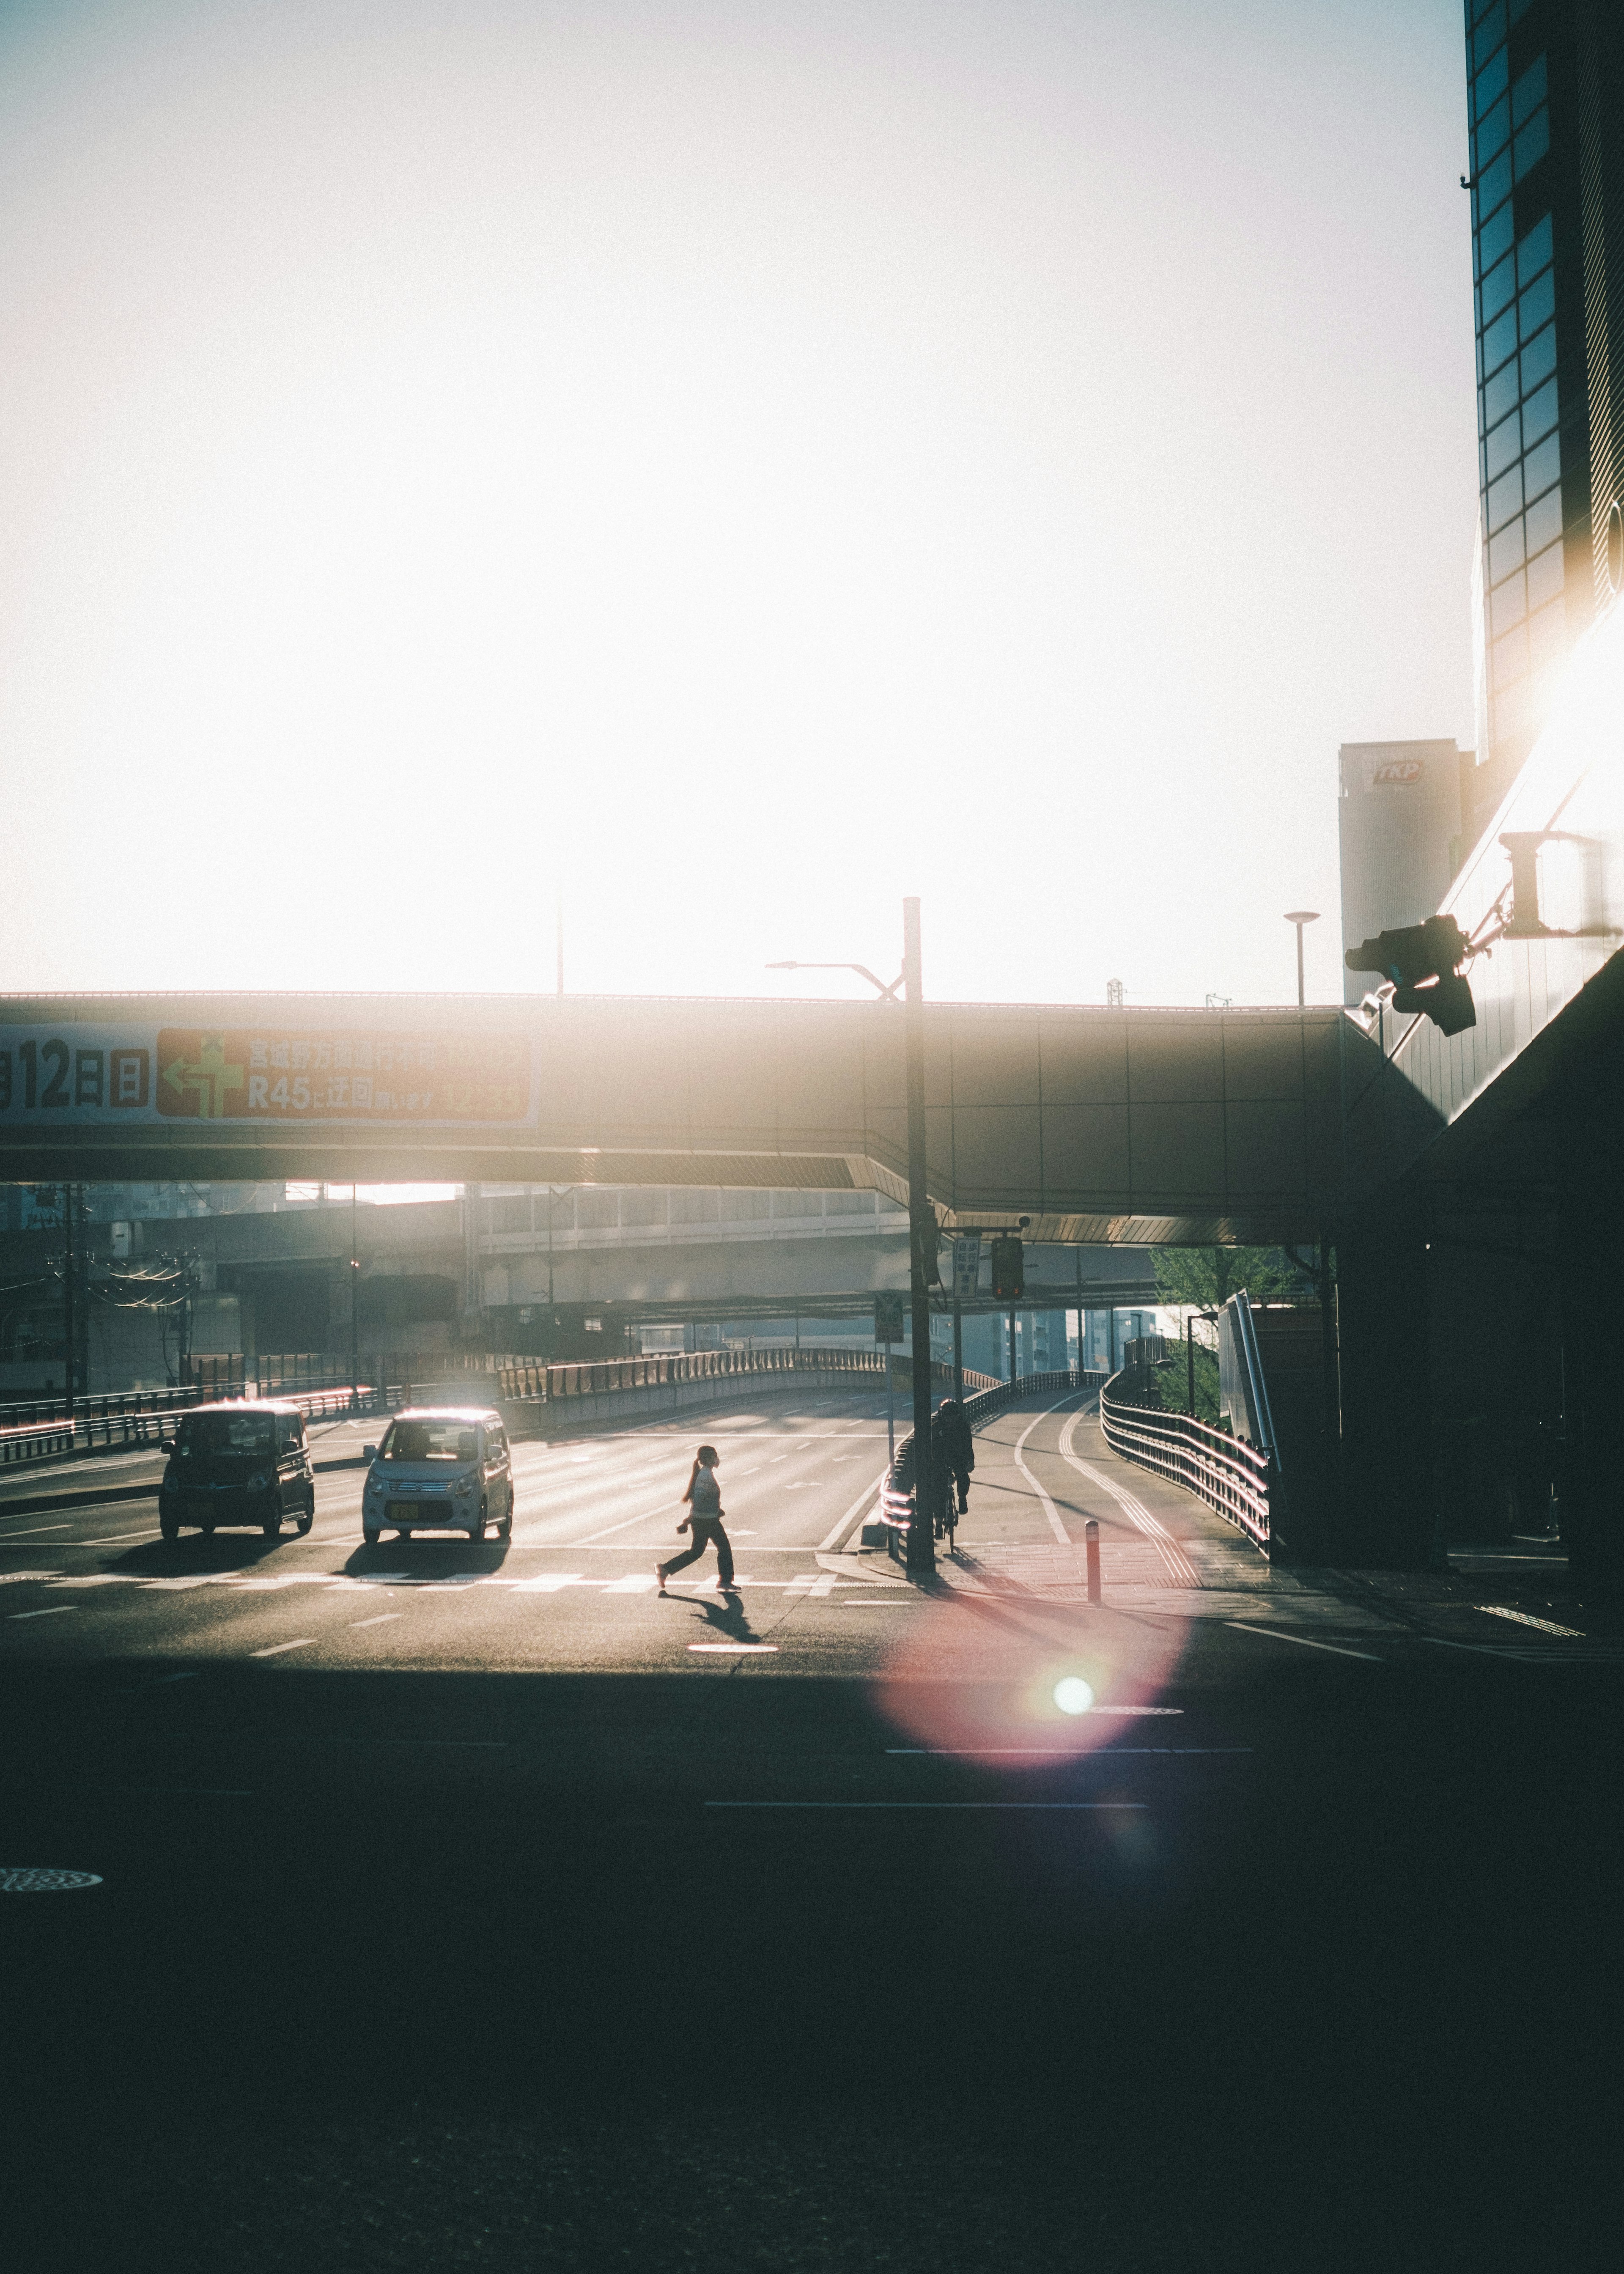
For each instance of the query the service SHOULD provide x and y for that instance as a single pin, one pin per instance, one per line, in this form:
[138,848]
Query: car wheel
[476,1531]
[170,1525]
[504,1530]
[272,1526]
[308,1517]
[370,1535]
[207,1530]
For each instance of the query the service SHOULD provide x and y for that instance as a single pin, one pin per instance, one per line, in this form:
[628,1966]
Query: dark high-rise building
[1546,109]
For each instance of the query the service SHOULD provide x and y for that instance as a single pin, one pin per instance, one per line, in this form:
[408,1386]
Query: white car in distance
[440,1468]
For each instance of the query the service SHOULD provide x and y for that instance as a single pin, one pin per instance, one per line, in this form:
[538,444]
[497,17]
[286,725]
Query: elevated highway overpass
[1105,1127]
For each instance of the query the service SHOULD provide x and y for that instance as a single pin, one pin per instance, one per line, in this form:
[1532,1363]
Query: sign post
[888,1330]
[921,1245]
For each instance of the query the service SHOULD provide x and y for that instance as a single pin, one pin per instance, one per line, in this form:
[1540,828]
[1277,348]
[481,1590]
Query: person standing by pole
[705,1512]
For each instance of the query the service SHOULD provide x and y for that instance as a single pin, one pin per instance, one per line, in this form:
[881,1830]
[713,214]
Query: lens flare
[1073,1695]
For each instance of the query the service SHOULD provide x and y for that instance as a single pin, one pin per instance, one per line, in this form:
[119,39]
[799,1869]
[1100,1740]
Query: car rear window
[227,1433]
[430,1440]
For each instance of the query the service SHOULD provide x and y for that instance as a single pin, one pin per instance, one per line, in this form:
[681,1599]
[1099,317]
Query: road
[478,1905]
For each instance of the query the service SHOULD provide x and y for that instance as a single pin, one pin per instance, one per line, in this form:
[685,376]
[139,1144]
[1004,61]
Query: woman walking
[704,1506]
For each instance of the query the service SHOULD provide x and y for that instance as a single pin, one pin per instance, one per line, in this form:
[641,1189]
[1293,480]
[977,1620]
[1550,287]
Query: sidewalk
[1163,1554]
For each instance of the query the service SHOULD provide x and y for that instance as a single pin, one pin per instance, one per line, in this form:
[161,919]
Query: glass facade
[1520,462]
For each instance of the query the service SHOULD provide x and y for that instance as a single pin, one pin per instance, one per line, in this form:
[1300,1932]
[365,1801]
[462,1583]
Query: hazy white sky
[755,461]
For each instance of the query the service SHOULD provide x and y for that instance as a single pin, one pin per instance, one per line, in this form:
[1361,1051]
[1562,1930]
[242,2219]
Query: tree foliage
[1207,1277]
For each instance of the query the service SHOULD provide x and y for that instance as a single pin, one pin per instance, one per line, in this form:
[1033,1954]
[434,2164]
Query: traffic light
[1009,1268]
[1423,961]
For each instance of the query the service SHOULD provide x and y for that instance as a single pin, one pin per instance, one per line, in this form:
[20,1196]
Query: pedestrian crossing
[810,1586]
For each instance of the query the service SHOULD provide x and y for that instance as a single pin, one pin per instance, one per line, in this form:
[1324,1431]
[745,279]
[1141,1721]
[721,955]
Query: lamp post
[922,1228]
[1301,917]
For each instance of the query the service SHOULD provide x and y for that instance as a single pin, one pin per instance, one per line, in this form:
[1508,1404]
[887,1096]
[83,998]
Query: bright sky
[754,460]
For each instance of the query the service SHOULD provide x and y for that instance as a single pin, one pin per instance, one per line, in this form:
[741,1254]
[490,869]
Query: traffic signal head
[1009,1268]
[1423,961]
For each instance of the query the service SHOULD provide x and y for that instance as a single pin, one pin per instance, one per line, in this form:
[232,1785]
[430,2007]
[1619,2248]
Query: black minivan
[244,1463]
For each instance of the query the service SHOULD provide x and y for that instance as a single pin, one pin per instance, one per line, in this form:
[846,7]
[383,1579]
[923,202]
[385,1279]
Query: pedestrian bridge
[1101,1125]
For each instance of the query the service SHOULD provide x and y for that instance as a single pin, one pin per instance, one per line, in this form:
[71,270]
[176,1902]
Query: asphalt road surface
[480,1906]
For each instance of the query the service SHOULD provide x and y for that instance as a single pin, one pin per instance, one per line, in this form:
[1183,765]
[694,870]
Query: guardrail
[897,1493]
[145,1417]
[1236,1480]
[94,1432]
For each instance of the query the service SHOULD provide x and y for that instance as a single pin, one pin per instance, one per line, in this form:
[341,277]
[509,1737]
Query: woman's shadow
[726,1616]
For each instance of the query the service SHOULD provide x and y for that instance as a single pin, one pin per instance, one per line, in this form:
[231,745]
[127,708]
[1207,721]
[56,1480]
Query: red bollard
[1091,1538]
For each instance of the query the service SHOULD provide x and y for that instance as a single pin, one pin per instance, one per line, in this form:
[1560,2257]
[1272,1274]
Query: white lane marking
[55,1611]
[648,1516]
[117,1540]
[1046,1752]
[812,1583]
[1545,1626]
[736,1649]
[382,1619]
[549,1582]
[15,1578]
[1281,1634]
[303,1642]
[1087,1806]
[35,1531]
[1049,1510]
[635,1583]
[1177,1563]
[837,1535]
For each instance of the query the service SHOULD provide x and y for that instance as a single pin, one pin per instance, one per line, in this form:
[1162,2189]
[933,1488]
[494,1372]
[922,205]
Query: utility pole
[921,1245]
[70,1302]
[355,1309]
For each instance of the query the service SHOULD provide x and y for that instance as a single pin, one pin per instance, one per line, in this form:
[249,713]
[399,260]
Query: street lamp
[923,1231]
[1300,917]
[887,994]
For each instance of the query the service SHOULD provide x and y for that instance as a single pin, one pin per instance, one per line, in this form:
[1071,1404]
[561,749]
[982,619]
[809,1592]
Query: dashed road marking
[736,1649]
[302,1642]
[55,1611]
[382,1619]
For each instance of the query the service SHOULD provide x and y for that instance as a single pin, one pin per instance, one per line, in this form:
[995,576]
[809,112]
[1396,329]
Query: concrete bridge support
[1388,1513]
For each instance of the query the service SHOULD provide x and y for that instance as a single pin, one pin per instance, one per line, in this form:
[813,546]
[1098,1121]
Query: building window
[1539,413]
[1498,341]
[1492,133]
[1509,604]
[1528,92]
[1545,521]
[1504,499]
[1497,287]
[1499,396]
[1503,444]
[1494,185]
[1505,552]
[1531,144]
[1510,656]
[1538,358]
[1534,252]
[1547,636]
[1541,467]
[1491,81]
[1537,304]
[1545,578]
[1493,238]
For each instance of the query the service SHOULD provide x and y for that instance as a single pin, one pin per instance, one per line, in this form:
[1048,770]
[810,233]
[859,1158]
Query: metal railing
[525,1381]
[1235,1480]
[991,1398]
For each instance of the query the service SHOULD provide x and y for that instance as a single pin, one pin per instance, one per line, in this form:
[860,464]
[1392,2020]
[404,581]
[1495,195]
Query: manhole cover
[34,1879]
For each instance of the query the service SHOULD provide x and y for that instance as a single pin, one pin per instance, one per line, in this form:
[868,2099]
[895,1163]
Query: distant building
[1545,98]
[1399,836]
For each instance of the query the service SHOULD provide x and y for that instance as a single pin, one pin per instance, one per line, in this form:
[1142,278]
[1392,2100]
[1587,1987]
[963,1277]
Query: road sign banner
[966,1266]
[888,1318]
